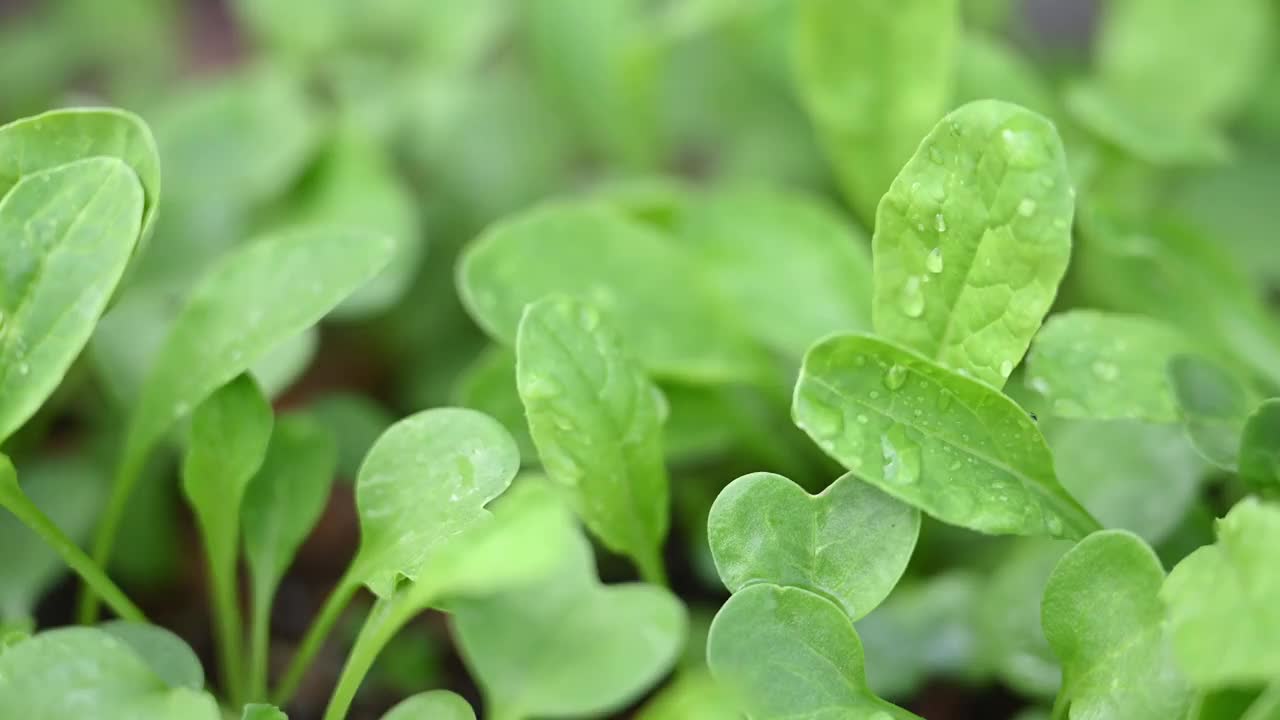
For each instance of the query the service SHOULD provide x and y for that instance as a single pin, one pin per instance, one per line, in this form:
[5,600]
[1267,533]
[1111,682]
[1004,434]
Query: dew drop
[540,387]
[181,409]
[911,300]
[1006,368]
[23,368]
[1054,524]
[863,419]
[589,318]
[940,222]
[1027,207]
[933,263]
[1040,385]
[901,457]
[1105,370]
[895,377]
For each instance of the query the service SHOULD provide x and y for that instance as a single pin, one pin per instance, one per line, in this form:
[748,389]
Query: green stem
[651,567]
[314,639]
[384,621]
[94,578]
[259,639]
[122,485]
[228,624]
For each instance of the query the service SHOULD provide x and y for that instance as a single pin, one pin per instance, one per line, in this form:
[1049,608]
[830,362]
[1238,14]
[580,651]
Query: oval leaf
[850,543]
[973,238]
[947,444]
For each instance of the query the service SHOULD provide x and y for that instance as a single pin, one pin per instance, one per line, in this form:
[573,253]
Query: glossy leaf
[168,656]
[973,238]
[874,79]
[567,645]
[1105,366]
[1104,621]
[427,479]
[59,137]
[1220,602]
[82,672]
[433,705]
[1214,406]
[649,285]
[1260,450]
[947,444]
[849,544]
[793,268]
[596,420]
[787,653]
[69,233]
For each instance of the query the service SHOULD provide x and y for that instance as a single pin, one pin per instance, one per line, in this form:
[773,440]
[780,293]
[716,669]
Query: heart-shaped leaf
[1221,602]
[850,543]
[1103,618]
[83,672]
[947,444]
[973,238]
[433,705]
[567,645]
[427,479]
[787,653]
[69,232]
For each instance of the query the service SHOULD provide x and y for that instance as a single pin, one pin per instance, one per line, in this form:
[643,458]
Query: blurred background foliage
[431,119]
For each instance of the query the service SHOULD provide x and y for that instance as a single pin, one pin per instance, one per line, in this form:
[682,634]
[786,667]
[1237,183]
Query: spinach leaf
[973,238]
[567,645]
[1219,601]
[650,286]
[947,444]
[1260,450]
[1105,366]
[1103,619]
[168,656]
[874,79]
[69,232]
[87,672]
[849,544]
[785,652]
[432,705]
[596,420]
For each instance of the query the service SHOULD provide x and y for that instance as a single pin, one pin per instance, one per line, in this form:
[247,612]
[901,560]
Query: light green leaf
[973,238]
[567,645]
[433,705]
[788,653]
[1214,406]
[945,443]
[69,233]
[1260,450]
[793,268]
[648,284]
[1105,366]
[850,543]
[874,78]
[694,694]
[69,490]
[59,137]
[489,385]
[427,479]
[1220,602]
[1009,617]
[82,672]
[1116,467]
[259,711]
[1103,618]
[597,422]
[168,655]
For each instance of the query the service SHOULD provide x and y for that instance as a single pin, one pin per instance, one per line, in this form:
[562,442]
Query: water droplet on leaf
[1105,370]
[1006,368]
[911,301]
[940,223]
[1027,207]
[901,457]
[933,263]
[895,377]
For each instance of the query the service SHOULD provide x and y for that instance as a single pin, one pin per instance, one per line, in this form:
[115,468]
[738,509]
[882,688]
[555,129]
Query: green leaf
[259,711]
[1221,606]
[794,269]
[427,479]
[1267,706]
[1225,704]
[489,385]
[850,543]
[986,67]
[788,653]
[1103,619]
[1260,450]
[355,421]
[1105,366]
[945,443]
[874,79]
[70,231]
[1145,134]
[973,238]
[1214,406]
[70,491]
[567,645]
[693,694]
[168,655]
[83,672]
[597,422]
[1116,467]
[433,705]
[1009,618]
[650,286]
[60,137]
